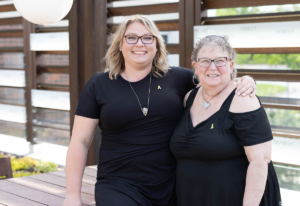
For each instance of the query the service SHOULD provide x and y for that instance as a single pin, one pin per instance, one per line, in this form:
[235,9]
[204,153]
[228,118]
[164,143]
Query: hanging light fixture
[43,11]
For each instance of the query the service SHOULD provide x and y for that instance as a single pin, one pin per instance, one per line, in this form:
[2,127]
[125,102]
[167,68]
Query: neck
[211,92]
[134,74]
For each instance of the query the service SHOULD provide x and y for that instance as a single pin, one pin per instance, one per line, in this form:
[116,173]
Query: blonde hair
[216,41]
[115,62]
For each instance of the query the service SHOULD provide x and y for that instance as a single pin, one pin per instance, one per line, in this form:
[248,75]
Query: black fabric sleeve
[87,105]
[252,127]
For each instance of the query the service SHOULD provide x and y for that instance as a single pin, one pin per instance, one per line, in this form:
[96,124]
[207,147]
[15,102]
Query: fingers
[241,83]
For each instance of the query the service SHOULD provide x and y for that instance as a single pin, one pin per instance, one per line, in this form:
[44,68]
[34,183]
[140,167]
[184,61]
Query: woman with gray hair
[222,142]
[137,103]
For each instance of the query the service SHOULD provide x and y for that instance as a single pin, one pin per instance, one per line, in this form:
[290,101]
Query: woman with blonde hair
[137,103]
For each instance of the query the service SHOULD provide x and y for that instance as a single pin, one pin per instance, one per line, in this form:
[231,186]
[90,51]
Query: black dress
[211,161]
[136,166]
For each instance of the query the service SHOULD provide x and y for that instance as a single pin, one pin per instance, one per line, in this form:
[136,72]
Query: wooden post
[30,73]
[87,30]
[189,16]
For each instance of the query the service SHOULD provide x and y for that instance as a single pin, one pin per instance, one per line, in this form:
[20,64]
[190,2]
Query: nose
[213,65]
[139,42]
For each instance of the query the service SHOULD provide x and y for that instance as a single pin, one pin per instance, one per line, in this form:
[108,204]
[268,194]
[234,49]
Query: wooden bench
[45,189]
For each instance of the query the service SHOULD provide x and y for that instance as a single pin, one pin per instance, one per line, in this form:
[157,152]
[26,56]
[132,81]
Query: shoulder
[242,104]
[180,70]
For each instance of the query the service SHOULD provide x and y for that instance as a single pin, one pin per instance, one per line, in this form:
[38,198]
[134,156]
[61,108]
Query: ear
[231,66]
[194,64]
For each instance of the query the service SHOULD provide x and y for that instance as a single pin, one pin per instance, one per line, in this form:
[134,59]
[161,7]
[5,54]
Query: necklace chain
[144,110]
[207,103]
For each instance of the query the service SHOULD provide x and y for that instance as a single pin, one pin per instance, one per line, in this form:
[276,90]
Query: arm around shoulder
[185,98]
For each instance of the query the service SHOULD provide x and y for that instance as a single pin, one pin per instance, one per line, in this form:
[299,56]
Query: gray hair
[215,41]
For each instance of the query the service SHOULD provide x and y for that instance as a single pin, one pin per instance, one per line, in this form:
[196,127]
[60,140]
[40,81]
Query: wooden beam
[52,52]
[219,4]
[149,9]
[173,48]
[11,49]
[87,48]
[11,33]
[281,106]
[274,50]
[17,20]
[189,15]
[53,87]
[253,18]
[30,72]
[9,7]
[271,75]
[167,26]
[52,69]
[52,29]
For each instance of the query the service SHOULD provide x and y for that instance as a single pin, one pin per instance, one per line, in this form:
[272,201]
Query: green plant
[25,163]
[45,166]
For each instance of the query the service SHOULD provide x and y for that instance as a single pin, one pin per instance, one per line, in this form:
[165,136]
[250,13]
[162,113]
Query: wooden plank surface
[10,199]
[61,181]
[52,188]
[27,192]
[85,179]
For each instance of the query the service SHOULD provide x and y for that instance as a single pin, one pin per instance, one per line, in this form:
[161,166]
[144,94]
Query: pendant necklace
[207,103]
[144,110]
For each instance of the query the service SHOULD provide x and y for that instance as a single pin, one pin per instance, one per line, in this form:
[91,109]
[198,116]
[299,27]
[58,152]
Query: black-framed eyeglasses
[219,61]
[133,39]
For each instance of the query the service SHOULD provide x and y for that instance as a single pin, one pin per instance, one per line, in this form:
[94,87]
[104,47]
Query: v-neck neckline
[198,124]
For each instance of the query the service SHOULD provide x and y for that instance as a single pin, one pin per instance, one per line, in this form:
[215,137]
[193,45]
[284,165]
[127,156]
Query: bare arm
[82,136]
[259,157]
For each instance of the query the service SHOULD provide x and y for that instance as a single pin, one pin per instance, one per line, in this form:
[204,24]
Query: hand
[73,201]
[245,86]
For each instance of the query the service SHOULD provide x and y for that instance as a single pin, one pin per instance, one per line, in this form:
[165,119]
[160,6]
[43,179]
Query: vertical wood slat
[5,167]
[30,75]
[189,15]
[87,47]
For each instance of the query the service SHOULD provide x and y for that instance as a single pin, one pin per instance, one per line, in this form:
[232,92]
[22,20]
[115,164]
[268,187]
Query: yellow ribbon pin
[158,87]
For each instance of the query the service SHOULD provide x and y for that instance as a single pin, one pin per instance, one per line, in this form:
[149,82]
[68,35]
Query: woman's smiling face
[139,54]
[212,75]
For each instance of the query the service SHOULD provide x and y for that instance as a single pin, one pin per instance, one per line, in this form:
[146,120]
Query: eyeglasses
[219,61]
[132,39]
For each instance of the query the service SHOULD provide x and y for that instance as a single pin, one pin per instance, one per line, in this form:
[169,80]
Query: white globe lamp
[43,11]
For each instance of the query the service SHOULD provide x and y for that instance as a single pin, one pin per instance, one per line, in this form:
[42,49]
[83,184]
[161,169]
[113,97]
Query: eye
[147,38]
[131,37]
[204,61]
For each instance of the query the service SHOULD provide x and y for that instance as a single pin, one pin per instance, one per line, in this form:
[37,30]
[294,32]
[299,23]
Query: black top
[211,161]
[134,147]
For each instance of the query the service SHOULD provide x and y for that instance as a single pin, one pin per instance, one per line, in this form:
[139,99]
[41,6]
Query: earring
[193,79]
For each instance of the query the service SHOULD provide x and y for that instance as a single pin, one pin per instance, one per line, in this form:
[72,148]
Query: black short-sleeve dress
[211,161]
[136,166]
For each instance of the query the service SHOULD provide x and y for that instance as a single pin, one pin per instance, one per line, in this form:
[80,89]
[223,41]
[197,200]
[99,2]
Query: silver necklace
[207,103]
[144,110]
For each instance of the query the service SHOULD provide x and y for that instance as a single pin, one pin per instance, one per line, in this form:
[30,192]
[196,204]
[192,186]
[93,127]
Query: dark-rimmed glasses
[219,61]
[133,39]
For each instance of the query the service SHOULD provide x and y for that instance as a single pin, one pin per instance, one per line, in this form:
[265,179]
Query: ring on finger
[253,89]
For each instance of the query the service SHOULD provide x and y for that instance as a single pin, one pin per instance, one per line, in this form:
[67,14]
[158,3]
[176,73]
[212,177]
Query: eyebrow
[137,35]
